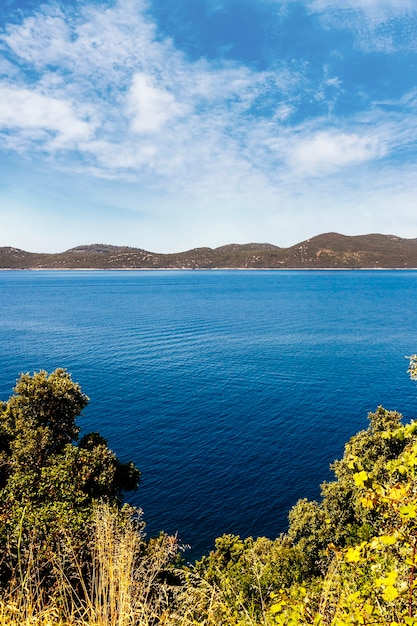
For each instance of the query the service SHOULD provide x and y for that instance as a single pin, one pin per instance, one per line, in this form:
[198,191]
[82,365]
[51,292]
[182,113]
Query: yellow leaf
[386,434]
[355,464]
[352,597]
[360,478]
[408,511]
[389,594]
[390,579]
[367,502]
[379,489]
[387,540]
[397,493]
[375,544]
[353,555]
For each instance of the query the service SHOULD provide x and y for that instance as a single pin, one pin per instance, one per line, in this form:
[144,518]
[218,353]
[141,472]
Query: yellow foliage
[360,478]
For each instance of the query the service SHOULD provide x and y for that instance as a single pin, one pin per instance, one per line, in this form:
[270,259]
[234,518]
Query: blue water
[232,391]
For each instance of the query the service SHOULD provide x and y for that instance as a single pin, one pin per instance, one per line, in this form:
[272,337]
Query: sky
[168,125]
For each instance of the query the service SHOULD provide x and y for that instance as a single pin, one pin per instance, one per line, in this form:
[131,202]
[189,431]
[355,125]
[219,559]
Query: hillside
[330,250]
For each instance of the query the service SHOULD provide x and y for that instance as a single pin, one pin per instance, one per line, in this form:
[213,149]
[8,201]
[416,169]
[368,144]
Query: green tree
[48,484]
[339,518]
[370,580]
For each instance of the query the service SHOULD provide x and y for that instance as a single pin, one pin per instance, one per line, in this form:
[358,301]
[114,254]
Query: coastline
[326,252]
[206,269]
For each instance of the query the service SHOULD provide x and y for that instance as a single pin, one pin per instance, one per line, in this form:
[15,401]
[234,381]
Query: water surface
[232,391]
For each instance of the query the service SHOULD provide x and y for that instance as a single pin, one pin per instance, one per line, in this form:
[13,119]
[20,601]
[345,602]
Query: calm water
[232,391]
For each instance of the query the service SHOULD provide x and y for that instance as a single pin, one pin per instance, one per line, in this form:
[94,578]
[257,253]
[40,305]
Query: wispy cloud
[383,26]
[34,117]
[125,80]
[99,92]
[139,102]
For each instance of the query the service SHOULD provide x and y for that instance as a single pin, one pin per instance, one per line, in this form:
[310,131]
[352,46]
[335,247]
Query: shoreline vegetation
[327,251]
[74,555]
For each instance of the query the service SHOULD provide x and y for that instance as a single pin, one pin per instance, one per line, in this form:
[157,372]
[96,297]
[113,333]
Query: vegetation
[330,250]
[49,487]
[74,554]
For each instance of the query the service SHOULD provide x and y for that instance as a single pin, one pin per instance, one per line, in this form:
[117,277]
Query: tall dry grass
[122,586]
[128,582]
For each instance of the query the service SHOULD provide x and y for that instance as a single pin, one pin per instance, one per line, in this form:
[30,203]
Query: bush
[49,484]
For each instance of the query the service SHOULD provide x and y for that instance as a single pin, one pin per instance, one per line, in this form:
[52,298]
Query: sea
[232,391]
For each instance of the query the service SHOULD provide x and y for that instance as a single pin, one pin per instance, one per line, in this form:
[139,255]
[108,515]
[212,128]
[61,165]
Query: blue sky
[168,125]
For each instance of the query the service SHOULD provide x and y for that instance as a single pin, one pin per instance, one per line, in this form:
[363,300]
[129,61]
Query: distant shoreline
[329,251]
[205,269]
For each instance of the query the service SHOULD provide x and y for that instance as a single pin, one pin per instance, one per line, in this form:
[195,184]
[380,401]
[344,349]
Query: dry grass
[125,585]
[122,587]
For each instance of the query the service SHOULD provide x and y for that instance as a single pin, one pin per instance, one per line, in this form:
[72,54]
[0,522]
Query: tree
[339,518]
[369,580]
[49,485]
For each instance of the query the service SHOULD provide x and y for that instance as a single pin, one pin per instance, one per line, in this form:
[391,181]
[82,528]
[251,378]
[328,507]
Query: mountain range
[329,250]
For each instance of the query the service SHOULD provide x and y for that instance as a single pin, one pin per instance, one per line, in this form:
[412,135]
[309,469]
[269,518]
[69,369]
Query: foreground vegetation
[73,554]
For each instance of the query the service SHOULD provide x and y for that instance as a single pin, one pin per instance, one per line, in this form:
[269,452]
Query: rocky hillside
[330,250]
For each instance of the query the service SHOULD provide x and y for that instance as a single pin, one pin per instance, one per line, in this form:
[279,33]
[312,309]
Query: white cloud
[110,62]
[110,38]
[26,110]
[383,26]
[189,120]
[151,106]
[328,151]
[41,39]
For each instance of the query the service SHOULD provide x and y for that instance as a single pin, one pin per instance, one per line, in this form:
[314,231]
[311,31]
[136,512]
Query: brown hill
[330,250]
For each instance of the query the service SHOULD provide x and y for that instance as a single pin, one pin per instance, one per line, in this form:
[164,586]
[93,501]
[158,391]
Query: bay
[232,391]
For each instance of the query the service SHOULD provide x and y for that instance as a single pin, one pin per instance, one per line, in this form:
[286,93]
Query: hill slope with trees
[330,250]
